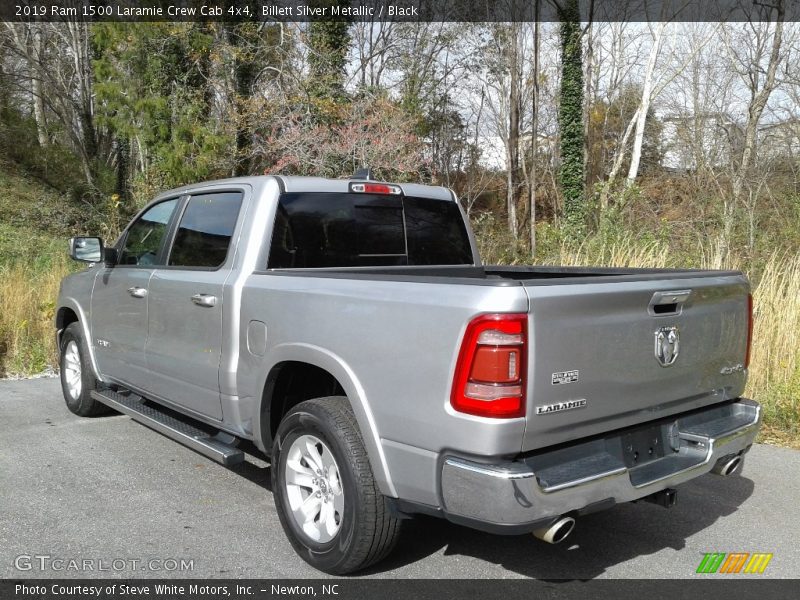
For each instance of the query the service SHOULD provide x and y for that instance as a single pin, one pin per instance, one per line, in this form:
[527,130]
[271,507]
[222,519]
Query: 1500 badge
[563,377]
[559,406]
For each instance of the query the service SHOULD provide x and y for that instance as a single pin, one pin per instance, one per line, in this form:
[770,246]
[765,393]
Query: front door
[185,305]
[119,305]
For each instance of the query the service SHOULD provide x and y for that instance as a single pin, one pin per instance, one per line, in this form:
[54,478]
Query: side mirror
[86,249]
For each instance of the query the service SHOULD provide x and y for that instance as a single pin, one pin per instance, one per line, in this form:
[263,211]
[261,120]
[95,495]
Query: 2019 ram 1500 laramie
[349,330]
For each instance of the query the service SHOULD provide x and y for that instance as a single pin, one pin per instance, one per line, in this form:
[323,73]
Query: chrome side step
[218,449]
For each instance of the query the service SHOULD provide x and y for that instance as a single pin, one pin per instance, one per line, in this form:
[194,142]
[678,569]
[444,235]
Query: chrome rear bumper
[596,473]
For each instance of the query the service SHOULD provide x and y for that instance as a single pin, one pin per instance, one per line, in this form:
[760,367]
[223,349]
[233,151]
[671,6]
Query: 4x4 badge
[668,345]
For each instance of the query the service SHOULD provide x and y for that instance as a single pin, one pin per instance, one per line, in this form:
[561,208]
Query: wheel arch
[68,313]
[323,368]
[65,317]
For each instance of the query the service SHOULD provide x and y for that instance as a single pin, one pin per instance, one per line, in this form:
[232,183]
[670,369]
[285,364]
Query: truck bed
[596,325]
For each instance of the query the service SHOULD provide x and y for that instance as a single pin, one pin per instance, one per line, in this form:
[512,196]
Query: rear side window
[436,233]
[205,231]
[314,230]
[145,235]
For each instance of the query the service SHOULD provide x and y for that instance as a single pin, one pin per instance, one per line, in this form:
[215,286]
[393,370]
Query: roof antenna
[363,173]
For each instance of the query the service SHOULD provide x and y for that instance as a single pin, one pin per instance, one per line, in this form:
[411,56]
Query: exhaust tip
[557,531]
[728,466]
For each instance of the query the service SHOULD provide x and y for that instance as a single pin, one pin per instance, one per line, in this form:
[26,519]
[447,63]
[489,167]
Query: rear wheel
[328,503]
[77,380]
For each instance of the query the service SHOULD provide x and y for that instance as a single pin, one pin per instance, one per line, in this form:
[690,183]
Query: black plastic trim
[474,275]
[499,528]
[406,509]
[618,433]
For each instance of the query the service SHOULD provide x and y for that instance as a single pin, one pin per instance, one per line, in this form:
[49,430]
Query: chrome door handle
[204,300]
[137,292]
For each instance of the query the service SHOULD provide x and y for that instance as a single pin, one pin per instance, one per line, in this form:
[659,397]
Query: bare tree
[504,78]
[375,45]
[644,104]
[28,41]
[653,83]
[756,56]
[59,74]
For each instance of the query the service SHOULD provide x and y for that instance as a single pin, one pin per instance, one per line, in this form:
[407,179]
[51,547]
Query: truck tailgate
[611,354]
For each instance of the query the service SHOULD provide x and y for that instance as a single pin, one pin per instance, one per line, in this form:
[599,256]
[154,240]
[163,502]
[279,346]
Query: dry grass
[28,297]
[775,360]
[625,253]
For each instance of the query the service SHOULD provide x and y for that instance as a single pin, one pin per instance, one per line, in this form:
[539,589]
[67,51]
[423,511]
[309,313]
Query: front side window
[144,238]
[205,231]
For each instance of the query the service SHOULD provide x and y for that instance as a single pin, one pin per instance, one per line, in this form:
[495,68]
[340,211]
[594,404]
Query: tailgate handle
[668,303]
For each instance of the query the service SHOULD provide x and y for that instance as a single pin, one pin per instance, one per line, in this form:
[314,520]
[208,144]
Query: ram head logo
[668,343]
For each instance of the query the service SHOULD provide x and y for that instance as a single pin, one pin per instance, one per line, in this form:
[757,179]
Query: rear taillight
[749,330]
[490,374]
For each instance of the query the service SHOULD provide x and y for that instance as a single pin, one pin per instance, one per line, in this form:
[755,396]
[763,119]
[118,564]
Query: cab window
[205,231]
[321,229]
[145,236]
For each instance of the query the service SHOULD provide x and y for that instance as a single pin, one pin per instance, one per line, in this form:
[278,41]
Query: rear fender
[333,364]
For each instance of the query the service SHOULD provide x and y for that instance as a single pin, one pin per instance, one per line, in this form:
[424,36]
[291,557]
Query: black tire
[81,404]
[367,530]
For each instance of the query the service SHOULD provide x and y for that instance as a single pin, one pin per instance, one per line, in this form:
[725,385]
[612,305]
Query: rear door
[120,296]
[186,298]
[613,354]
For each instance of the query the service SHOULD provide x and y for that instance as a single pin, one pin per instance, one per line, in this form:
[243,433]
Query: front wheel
[328,503]
[77,380]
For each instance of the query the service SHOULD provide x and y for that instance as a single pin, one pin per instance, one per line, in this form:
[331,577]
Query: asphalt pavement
[108,497]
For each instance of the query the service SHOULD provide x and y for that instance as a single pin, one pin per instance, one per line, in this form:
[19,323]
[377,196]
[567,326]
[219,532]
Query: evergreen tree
[329,42]
[151,88]
[570,118]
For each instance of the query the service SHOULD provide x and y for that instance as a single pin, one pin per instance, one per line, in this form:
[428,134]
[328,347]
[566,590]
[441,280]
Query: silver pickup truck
[348,329]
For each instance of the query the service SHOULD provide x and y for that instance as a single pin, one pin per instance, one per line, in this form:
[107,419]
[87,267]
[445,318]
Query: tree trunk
[534,132]
[245,72]
[644,106]
[512,144]
[123,166]
[588,100]
[37,47]
[617,165]
[78,40]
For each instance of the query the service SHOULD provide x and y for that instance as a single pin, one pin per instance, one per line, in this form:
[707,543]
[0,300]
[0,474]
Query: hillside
[35,222]
[35,219]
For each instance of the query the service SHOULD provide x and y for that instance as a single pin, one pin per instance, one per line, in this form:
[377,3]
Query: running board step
[180,431]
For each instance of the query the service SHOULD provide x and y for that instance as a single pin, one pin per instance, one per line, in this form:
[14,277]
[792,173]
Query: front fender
[336,366]
[73,305]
